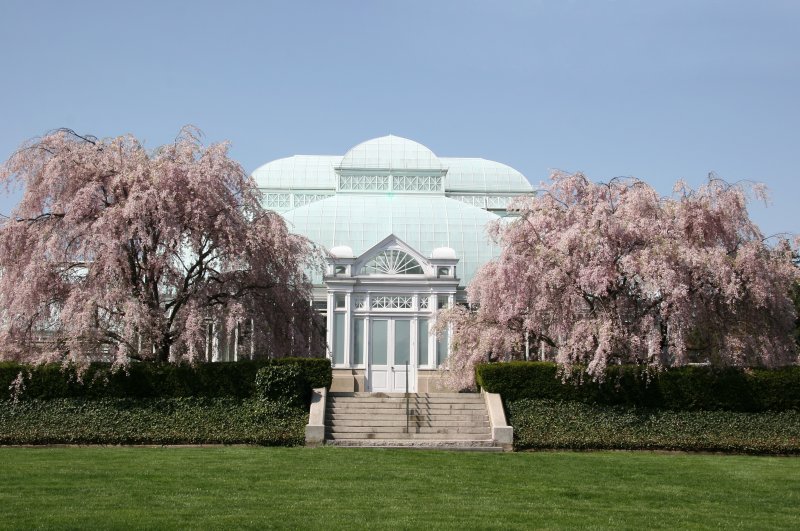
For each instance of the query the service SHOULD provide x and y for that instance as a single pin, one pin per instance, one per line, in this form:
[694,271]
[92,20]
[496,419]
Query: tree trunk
[162,349]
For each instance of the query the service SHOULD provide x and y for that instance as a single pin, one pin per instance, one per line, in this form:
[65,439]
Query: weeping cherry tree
[592,274]
[121,252]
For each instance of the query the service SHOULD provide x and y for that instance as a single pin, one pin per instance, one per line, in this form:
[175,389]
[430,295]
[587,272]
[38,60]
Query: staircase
[457,421]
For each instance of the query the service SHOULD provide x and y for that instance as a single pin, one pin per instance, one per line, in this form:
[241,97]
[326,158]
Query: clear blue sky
[657,90]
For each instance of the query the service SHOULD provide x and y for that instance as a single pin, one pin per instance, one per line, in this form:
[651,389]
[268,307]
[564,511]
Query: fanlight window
[392,262]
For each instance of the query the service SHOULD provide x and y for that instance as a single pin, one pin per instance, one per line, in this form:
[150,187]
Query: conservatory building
[405,232]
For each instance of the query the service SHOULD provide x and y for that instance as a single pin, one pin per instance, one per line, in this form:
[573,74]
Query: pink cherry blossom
[117,250]
[605,273]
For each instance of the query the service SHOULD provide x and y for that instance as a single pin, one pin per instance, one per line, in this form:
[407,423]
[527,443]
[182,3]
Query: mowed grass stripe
[200,488]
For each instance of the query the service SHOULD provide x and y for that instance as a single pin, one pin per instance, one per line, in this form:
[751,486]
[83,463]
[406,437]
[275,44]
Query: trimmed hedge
[152,380]
[224,420]
[557,424]
[285,383]
[680,388]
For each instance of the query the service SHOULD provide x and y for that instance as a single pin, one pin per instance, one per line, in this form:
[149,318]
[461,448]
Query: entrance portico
[381,310]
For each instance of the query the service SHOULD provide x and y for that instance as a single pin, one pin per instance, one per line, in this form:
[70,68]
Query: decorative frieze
[364,183]
[391,183]
[486,202]
[285,201]
[278,201]
[417,183]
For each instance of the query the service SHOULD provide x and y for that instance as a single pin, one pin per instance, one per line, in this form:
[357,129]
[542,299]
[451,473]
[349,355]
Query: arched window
[392,262]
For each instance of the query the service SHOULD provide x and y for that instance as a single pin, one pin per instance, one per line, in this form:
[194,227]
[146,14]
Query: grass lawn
[236,487]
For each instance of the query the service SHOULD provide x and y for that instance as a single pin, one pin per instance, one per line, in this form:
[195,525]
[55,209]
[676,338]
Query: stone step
[444,430]
[476,417]
[410,405]
[428,400]
[399,405]
[403,401]
[409,444]
[336,424]
[420,436]
[381,414]
[393,412]
[402,395]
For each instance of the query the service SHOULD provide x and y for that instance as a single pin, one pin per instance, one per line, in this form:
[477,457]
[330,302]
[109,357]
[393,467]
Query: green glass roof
[393,186]
[481,175]
[300,172]
[360,221]
[393,154]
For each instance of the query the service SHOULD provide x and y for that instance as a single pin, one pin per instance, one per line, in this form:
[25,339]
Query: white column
[236,342]
[329,328]
[414,354]
[348,326]
[214,343]
[252,338]
[367,351]
[527,346]
[451,302]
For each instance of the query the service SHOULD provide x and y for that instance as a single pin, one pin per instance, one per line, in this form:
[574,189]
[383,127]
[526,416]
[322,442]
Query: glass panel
[422,342]
[378,341]
[340,300]
[424,302]
[402,341]
[358,333]
[441,348]
[338,338]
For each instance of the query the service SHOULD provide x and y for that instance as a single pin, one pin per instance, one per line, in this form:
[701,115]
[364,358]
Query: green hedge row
[680,388]
[151,421]
[554,424]
[151,380]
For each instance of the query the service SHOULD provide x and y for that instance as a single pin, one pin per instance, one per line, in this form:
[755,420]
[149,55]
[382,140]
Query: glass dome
[390,153]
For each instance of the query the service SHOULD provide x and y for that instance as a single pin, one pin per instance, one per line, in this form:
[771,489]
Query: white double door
[390,352]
